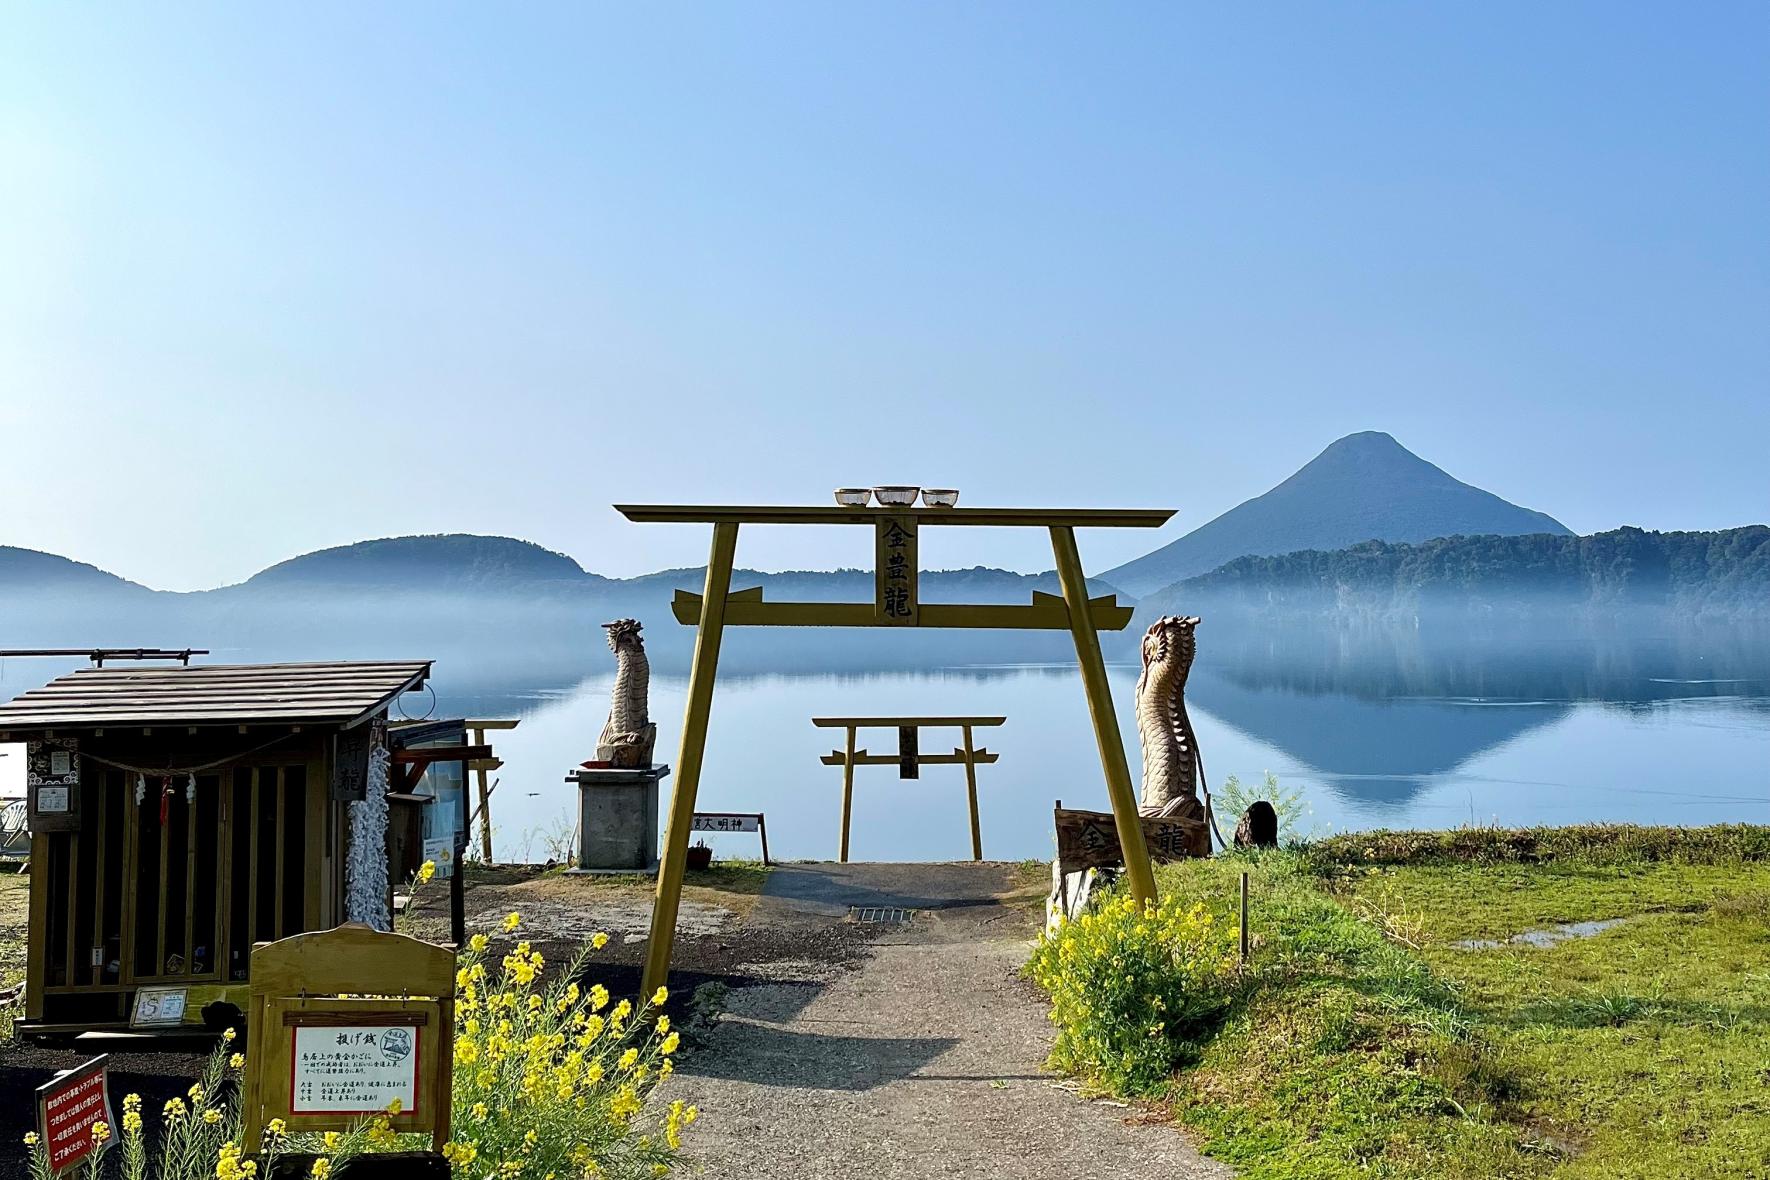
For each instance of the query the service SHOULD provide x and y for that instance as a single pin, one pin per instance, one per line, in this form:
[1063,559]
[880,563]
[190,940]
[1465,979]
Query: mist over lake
[1386,725]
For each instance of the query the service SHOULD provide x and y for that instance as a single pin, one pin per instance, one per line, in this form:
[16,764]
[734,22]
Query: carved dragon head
[1170,638]
[624,633]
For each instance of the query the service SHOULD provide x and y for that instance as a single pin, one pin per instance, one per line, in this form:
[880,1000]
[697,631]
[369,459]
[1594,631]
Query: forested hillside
[1720,573]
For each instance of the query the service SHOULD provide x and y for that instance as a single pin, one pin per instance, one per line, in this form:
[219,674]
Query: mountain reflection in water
[1382,726]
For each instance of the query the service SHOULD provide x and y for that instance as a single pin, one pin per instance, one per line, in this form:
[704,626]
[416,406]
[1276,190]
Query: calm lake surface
[1380,728]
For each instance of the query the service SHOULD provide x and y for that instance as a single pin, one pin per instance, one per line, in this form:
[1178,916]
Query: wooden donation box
[345,1024]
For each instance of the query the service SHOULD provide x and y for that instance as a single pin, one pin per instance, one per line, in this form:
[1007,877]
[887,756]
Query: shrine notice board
[1089,839]
[349,1024]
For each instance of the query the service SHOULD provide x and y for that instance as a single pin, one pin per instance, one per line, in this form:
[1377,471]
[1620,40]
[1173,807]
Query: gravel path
[921,1060]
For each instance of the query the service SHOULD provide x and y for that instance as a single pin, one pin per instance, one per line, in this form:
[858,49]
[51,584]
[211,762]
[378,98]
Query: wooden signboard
[350,759]
[52,784]
[67,1107]
[732,821]
[1089,839]
[894,572]
[323,1062]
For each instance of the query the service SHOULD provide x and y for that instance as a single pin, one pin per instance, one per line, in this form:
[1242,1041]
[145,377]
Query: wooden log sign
[1090,839]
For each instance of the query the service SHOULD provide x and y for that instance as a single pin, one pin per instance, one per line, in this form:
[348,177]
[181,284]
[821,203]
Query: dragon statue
[628,737]
[1171,770]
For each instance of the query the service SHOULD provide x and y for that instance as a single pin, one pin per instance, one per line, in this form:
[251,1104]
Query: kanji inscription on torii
[894,585]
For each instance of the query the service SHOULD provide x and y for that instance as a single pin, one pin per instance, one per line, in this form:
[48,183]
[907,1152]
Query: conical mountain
[1364,487]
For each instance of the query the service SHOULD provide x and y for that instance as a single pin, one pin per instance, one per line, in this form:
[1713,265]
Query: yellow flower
[426,871]
[629,1058]
[210,1116]
[100,1132]
[237,1061]
[659,996]
[670,1043]
[479,1110]
[30,1138]
[511,921]
[598,998]
[478,943]
[132,1121]
[395,1106]
[598,940]
[228,1035]
[321,1169]
[276,1127]
[330,1140]
[132,1102]
[663,1025]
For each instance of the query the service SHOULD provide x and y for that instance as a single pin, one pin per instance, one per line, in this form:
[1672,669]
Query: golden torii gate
[896,603]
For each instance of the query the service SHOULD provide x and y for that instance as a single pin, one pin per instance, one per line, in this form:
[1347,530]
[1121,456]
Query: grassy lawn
[1364,1042]
[15,908]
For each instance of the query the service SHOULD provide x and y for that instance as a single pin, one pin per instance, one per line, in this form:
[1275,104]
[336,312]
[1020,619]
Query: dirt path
[921,1060]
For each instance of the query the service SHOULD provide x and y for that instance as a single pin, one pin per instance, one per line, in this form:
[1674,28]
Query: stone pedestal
[618,819]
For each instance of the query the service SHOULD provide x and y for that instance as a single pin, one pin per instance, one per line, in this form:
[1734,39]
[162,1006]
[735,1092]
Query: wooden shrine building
[181,814]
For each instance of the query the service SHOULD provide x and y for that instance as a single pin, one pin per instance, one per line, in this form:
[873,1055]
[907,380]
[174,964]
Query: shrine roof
[338,693]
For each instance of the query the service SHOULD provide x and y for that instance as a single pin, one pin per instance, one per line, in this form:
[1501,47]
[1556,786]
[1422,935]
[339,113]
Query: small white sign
[51,800]
[725,823]
[158,1006]
[354,1069]
[61,762]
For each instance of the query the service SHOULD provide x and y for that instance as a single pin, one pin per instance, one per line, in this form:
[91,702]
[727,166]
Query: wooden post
[1106,722]
[485,803]
[847,794]
[762,830]
[971,793]
[688,762]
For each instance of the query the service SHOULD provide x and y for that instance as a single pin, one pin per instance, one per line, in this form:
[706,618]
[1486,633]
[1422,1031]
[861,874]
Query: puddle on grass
[1541,938]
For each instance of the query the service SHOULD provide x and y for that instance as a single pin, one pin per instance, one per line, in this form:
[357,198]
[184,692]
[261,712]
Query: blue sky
[278,278]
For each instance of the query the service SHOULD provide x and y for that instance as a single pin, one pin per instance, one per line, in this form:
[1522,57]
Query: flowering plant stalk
[1132,987]
[194,1129]
[550,1080]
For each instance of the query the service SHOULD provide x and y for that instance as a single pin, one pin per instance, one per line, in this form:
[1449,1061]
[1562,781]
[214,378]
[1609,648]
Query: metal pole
[971,791]
[847,795]
[1244,918]
[688,763]
[1106,723]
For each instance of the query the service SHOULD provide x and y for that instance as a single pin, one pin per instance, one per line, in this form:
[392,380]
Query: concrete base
[618,819]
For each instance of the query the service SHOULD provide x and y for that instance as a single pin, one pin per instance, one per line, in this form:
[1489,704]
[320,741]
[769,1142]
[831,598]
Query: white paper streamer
[365,870]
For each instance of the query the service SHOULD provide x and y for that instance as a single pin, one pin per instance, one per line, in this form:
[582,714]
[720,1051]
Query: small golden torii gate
[909,759]
[896,603]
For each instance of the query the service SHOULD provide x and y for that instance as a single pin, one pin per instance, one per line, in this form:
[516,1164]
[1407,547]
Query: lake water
[1380,729]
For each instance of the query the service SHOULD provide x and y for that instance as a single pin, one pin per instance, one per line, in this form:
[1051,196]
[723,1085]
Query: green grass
[1644,1049]
[1365,1043]
[1346,1055]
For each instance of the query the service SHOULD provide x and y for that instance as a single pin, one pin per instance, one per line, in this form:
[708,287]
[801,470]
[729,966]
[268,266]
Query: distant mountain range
[1364,487]
[1628,572]
[1366,527]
